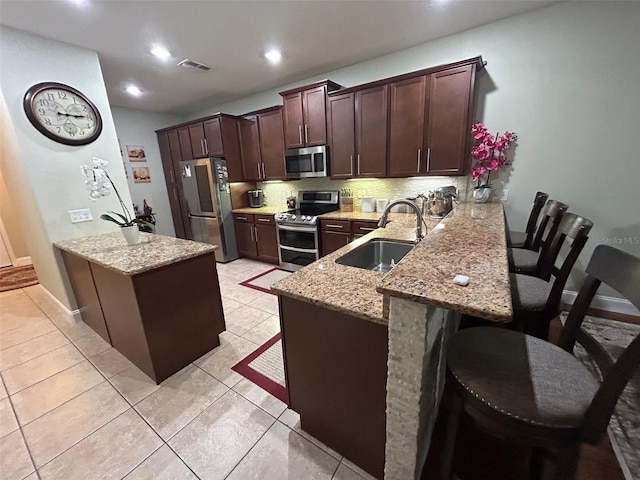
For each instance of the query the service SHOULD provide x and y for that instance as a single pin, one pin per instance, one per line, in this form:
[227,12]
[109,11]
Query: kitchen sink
[377,255]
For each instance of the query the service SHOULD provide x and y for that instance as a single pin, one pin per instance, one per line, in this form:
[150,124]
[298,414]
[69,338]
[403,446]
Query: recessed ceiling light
[273,56]
[161,52]
[133,90]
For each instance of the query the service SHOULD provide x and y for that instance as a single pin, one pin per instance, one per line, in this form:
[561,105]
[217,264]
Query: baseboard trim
[75,314]
[603,303]
[22,261]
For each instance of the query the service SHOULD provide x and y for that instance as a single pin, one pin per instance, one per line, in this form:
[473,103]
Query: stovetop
[311,204]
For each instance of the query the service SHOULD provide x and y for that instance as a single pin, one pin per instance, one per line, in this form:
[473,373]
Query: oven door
[297,246]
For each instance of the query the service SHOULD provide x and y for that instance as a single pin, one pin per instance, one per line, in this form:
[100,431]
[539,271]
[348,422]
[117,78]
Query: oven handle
[298,229]
[301,250]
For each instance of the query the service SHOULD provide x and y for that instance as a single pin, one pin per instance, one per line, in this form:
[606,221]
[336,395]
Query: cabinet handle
[418,170]
[264,173]
[258,165]
[350,165]
[255,231]
[202,147]
[358,164]
[300,133]
[241,218]
[251,232]
[175,193]
[206,147]
[306,133]
[328,225]
[173,178]
[367,229]
[264,220]
[428,159]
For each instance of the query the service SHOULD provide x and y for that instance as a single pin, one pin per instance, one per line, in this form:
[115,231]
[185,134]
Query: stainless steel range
[298,244]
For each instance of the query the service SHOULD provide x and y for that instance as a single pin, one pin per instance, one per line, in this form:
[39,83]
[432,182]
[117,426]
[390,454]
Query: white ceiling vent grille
[186,63]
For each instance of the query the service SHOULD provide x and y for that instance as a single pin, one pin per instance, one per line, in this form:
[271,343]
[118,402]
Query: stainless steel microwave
[307,162]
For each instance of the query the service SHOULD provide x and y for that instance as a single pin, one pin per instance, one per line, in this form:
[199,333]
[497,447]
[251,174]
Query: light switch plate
[504,196]
[82,215]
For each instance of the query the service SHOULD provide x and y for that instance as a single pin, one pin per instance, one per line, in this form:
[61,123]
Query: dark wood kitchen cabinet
[335,234]
[341,134]
[256,237]
[262,144]
[171,155]
[250,146]
[305,115]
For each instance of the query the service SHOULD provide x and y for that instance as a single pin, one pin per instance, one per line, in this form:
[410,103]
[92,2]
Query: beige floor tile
[244,318]
[134,385]
[15,462]
[33,476]
[8,422]
[345,473]
[283,453]
[229,305]
[38,399]
[164,464]
[352,466]
[53,433]
[12,295]
[110,362]
[34,328]
[64,320]
[267,302]
[220,436]
[16,310]
[260,397]
[109,453]
[263,331]
[219,364]
[241,294]
[292,420]
[3,391]
[10,357]
[226,338]
[178,402]
[71,328]
[91,344]
[37,369]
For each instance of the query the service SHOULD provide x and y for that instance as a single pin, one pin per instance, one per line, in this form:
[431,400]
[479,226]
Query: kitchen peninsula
[372,344]
[158,303]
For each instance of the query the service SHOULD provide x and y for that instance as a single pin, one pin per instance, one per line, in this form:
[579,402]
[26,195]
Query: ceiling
[232,36]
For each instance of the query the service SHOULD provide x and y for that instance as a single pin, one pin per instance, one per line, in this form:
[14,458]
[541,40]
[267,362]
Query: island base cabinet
[336,374]
[162,319]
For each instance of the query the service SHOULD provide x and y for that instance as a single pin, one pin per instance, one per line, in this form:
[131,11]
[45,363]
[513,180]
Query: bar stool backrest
[551,217]
[538,204]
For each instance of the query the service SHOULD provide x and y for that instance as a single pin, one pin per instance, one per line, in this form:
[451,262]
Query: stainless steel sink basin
[377,255]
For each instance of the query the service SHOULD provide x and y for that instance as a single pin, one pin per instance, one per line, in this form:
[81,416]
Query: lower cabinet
[256,237]
[335,234]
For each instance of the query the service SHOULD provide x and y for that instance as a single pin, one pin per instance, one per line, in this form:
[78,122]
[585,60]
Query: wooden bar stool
[524,239]
[525,389]
[527,261]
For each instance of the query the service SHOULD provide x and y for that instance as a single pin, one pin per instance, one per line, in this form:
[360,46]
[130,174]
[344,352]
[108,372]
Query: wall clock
[62,113]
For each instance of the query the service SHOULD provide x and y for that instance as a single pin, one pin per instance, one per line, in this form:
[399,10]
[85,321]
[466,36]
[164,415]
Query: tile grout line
[37,356]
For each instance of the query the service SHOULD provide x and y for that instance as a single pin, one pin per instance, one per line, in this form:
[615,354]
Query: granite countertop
[348,289]
[469,241]
[367,217]
[111,251]
[268,210]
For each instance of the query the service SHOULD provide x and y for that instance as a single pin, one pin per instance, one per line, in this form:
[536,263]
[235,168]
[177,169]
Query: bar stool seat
[517,239]
[529,293]
[523,261]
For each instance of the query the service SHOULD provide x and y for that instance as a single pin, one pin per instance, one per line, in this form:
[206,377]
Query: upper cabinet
[341,129]
[305,116]
[262,141]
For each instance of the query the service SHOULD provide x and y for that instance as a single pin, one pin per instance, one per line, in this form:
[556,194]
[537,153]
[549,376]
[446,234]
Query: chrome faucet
[383,220]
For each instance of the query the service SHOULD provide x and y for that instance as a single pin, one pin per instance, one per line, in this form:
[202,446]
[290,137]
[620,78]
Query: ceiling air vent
[186,63]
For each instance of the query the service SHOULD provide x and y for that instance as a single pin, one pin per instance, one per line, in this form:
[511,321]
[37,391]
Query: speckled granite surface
[111,251]
[470,241]
[348,289]
[270,210]
[357,216]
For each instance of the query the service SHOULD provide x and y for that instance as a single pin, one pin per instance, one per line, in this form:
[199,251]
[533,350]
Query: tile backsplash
[387,188]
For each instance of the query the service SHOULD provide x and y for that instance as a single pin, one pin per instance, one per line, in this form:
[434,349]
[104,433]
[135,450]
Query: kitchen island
[158,303]
[418,307]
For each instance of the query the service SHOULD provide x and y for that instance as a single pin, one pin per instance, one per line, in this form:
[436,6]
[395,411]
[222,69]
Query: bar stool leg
[450,439]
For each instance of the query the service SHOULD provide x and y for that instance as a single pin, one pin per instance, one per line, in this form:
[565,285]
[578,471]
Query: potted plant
[489,154]
[100,185]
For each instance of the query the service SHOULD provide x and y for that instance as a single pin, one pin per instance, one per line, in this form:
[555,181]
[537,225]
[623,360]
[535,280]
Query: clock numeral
[81,132]
[62,94]
[41,111]
[47,121]
[59,129]
[50,96]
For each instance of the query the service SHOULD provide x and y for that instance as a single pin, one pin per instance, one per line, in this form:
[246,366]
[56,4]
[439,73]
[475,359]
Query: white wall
[565,79]
[137,127]
[43,177]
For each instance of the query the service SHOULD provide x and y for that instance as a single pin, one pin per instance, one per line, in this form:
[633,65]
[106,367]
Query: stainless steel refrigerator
[208,196]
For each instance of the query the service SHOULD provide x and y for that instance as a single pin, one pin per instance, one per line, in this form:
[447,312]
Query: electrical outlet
[504,196]
[82,215]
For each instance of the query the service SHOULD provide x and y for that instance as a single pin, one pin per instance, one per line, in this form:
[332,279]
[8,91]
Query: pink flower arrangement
[489,152]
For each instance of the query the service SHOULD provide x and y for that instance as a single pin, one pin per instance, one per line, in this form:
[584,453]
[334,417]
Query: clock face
[62,113]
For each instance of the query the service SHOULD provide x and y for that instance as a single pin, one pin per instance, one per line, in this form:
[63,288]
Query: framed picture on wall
[136,153]
[141,174]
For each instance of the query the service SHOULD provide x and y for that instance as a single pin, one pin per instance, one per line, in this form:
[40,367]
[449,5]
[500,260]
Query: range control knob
[303,218]
[293,217]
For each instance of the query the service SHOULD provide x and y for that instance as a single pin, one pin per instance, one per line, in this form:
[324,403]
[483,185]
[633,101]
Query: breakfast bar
[158,303]
[418,307]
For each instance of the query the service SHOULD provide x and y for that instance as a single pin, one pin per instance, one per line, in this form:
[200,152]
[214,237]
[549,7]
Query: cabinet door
[250,147]
[293,123]
[448,127]
[314,102]
[231,148]
[406,127]
[272,145]
[172,189]
[332,241]
[213,138]
[245,239]
[185,143]
[371,132]
[177,193]
[196,133]
[362,228]
[341,126]
[267,242]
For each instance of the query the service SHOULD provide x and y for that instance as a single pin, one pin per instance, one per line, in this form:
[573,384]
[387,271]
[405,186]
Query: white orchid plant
[99,185]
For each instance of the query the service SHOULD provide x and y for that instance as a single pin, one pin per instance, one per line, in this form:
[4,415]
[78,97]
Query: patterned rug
[624,427]
[265,368]
[17,277]
[264,281]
